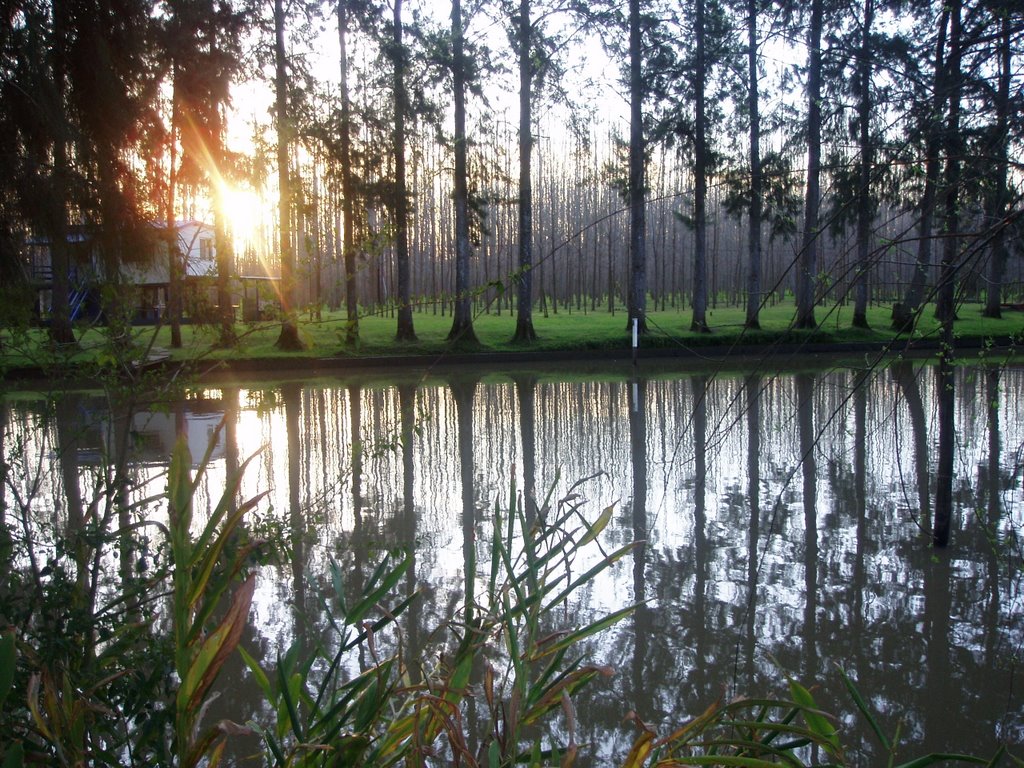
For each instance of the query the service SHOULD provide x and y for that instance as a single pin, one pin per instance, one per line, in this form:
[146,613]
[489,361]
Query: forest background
[506,155]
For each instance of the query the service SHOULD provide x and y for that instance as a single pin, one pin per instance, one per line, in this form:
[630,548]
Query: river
[785,524]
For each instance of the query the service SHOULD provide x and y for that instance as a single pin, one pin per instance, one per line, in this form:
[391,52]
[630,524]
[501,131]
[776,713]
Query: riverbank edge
[210,370]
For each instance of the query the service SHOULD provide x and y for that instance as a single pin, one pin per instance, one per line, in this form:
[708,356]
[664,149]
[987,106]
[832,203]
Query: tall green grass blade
[271,742]
[369,705]
[202,588]
[554,671]
[862,706]
[816,721]
[288,684]
[589,575]
[381,585]
[587,631]
[217,647]
[224,504]
[595,530]
[329,723]
[258,674]
[551,697]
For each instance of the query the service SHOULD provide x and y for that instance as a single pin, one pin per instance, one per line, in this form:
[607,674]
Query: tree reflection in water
[798,530]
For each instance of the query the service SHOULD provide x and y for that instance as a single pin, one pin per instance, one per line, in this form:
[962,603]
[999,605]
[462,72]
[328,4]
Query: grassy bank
[562,332]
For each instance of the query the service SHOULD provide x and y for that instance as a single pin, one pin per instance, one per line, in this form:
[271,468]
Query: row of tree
[894,126]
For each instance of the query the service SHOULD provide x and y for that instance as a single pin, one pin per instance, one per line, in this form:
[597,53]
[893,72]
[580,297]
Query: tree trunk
[700,181]
[756,182]
[637,191]
[348,247]
[289,338]
[945,309]
[222,241]
[999,196]
[174,266]
[807,271]
[524,277]
[405,330]
[462,316]
[61,331]
[905,313]
[865,203]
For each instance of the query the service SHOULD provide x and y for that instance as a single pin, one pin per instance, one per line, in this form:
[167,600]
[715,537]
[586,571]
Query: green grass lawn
[563,331]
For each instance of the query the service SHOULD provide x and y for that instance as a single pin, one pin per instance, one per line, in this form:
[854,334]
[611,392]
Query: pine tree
[637,186]
[289,336]
[807,268]
[405,329]
[462,316]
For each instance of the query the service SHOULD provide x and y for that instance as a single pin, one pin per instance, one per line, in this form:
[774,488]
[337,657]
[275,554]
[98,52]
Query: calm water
[785,522]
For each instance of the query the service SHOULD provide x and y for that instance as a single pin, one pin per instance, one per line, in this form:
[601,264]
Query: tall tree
[348,239]
[636,188]
[405,330]
[56,207]
[905,313]
[175,267]
[807,268]
[953,146]
[79,90]
[756,178]
[865,202]
[201,49]
[700,173]
[998,190]
[462,316]
[524,276]
[289,336]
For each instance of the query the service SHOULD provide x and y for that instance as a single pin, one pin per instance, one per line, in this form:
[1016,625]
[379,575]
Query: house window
[206,249]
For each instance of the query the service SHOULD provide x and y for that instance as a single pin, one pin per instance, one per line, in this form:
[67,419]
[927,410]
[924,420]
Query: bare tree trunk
[289,338]
[807,271]
[223,243]
[61,331]
[945,310]
[348,246]
[999,197]
[405,330]
[524,277]
[756,181]
[700,192]
[174,256]
[865,206]
[462,316]
[905,313]
[637,191]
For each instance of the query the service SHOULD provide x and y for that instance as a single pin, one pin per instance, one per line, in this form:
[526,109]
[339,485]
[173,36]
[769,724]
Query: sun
[243,210]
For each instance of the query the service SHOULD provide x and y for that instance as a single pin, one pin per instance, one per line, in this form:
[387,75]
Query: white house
[149,273]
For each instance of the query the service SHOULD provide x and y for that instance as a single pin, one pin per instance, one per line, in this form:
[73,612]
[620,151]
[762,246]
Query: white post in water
[636,339]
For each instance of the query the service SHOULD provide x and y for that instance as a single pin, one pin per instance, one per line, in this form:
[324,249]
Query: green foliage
[330,720]
[207,622]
